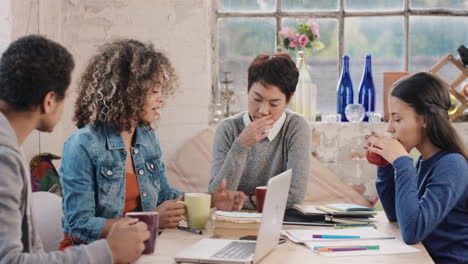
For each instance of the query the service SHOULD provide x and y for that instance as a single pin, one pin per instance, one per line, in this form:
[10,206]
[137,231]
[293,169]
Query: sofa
[189,171]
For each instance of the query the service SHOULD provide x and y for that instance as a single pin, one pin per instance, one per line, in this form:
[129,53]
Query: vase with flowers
[303,39]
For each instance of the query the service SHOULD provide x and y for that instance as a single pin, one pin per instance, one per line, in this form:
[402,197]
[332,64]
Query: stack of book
[236,223]
[342,214]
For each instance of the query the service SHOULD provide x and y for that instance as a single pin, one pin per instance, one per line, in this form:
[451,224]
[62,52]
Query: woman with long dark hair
[429,200]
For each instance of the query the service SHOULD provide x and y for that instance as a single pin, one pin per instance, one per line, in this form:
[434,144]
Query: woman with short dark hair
[254,146]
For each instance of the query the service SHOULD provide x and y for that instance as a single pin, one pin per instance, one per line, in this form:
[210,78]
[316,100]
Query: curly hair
[117,82]
[31,67]
[278,69]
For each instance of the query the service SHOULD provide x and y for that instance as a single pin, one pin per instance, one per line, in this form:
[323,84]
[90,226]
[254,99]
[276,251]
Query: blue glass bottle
[367,89]
[345,94]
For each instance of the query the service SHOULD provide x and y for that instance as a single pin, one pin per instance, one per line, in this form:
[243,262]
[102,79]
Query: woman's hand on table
[226,200]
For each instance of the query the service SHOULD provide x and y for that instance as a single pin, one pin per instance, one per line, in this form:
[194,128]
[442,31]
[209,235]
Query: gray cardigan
[19,240]
[245,168]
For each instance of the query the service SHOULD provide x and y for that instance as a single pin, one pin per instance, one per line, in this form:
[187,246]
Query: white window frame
[339,14]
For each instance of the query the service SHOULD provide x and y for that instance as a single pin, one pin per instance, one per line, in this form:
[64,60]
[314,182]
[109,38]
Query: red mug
[259,193]
[375,158]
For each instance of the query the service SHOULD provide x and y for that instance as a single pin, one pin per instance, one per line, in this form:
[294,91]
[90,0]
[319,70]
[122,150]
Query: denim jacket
[93,178]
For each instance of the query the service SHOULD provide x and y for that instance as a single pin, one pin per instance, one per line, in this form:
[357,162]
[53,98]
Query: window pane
[431,38]
[307,5]
[239,41]
[360,5]
[246,5]
[447,4]
[382,37]
[323,64]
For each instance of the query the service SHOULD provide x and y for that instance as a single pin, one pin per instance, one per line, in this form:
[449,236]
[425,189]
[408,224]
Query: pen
[192,230]
[334,236]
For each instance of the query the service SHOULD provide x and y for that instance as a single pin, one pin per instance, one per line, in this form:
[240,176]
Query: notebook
[293,216]
[348,207]
[336,212]
[211,250]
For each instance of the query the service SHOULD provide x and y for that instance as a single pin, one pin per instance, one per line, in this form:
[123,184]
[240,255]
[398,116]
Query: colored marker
[341,249]
[334,236]
[351,246]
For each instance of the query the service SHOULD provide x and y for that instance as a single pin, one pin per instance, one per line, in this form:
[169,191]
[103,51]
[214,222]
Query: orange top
[132,203]
[132,193]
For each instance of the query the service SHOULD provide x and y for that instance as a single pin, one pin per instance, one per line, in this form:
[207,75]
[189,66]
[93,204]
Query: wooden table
[172,241]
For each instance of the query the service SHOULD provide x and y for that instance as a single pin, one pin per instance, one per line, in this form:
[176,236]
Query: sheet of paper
[365,233]
[387,246]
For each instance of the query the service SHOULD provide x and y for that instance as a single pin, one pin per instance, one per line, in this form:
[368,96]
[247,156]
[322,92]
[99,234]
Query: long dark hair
[429,97]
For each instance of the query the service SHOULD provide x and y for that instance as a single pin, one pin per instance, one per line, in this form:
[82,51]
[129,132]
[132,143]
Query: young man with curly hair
[113,163]
[34,77]
[268,139]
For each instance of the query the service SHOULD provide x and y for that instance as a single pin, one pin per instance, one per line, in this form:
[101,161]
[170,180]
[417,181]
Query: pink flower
[314,29]
[285,32]
[303,40]
[294,41]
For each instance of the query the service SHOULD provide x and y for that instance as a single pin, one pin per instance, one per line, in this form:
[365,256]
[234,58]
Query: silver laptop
[241,251]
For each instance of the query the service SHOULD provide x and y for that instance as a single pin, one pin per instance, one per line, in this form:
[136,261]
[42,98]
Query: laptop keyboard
[236,250]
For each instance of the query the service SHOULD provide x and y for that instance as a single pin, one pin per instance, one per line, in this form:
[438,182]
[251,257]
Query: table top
[172,241]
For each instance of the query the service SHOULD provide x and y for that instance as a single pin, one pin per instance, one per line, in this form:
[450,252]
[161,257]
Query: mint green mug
[197,207]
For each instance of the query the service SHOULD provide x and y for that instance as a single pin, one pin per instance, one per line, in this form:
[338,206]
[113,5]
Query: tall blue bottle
[345,94]
[367,89]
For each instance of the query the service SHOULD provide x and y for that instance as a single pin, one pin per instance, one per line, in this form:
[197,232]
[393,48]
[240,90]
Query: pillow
[324,187]
[44,175]
[190,172]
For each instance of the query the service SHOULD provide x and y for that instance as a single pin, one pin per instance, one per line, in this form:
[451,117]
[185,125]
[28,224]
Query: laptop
[242,251]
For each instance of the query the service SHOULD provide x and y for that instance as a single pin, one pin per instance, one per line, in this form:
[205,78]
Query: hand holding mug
[256,131]
[170,213]
[151,219]
[126,239]
[388,148]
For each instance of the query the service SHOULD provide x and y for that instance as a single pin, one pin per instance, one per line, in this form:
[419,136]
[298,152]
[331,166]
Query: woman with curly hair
[112,164]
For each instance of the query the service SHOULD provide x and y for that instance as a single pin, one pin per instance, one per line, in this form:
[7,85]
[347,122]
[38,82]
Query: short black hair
[31,67]
[278,69]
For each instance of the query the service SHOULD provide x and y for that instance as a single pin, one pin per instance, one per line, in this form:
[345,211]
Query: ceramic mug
[197,207]
[260,193]
[152,220]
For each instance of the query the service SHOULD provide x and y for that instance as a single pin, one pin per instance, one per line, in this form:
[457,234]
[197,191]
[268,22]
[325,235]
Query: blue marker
[334,236]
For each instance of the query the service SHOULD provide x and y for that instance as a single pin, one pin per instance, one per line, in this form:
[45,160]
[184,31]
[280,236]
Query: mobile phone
[248,238]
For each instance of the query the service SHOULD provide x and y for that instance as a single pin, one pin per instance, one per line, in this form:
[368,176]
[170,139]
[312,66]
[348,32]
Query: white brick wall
[179,28]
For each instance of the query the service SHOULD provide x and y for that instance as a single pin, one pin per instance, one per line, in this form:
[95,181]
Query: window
[401,35]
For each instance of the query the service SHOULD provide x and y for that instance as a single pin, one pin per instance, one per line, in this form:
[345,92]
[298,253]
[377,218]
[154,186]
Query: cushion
[190,172]
[325,187]
[44,175]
